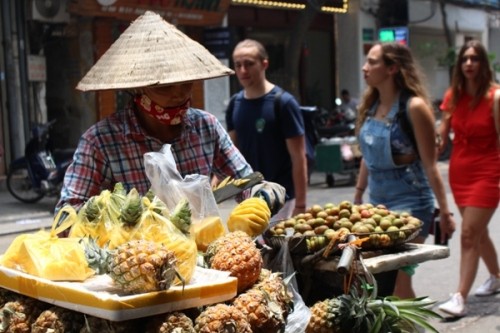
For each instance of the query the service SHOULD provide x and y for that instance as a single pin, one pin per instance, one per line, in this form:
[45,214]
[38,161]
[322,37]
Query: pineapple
[263,314]
[222,318]
[128,226]
[181,216]
[326,317]
[355,313]
[214,246]
[276,288]
[174,322]
[18,316]
[58,320]
[138,266]
[98,325]
[241,258]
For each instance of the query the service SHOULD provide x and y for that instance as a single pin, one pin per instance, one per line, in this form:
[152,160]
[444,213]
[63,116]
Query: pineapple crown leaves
[97,257]
[92,209]
[132,208]
[406,313]
[167,273]
[6,315]
[119,189]
[150,195]
[181,216]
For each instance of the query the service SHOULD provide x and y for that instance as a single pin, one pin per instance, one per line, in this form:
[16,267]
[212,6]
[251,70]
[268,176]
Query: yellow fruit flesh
[206,231]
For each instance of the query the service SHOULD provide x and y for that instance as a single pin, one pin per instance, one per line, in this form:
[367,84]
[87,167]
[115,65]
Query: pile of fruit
[263,305]
[377,226]
[143,247]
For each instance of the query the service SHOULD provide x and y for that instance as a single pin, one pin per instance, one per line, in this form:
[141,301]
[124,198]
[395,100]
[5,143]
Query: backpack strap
[230,105]
[277,104]
[404,119]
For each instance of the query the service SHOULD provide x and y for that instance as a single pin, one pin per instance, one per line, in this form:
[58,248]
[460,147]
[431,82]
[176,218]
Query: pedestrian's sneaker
[490,287]
[455,306]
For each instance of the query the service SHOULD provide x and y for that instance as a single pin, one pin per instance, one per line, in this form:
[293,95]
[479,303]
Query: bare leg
[489,254]
[404,288]
[474,225]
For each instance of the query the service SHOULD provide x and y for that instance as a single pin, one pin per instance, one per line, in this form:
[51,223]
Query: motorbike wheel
[20,186]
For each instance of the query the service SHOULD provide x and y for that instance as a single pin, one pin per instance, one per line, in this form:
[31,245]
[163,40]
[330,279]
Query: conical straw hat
[152,52]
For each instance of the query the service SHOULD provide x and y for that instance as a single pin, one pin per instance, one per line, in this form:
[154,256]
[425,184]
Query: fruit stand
[133,284]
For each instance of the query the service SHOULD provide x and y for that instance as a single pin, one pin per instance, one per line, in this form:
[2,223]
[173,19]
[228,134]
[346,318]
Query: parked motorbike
[40,172]
[335,123]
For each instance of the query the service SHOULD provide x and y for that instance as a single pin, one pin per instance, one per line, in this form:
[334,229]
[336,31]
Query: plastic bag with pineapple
[44,254]
[168,184]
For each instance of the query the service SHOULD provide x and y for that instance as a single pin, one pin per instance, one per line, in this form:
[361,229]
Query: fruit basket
[377,227]
[300,244]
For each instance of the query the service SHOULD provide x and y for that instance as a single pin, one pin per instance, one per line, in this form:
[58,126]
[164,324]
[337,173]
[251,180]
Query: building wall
[427,40]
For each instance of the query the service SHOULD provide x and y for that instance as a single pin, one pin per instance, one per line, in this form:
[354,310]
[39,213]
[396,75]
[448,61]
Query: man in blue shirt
[271,139]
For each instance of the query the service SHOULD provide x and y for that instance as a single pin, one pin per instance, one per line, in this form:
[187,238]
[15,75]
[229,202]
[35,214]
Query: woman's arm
[362,183]
[422,118]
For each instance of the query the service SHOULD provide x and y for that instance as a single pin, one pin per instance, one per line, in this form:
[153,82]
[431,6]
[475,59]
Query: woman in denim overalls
[398,173]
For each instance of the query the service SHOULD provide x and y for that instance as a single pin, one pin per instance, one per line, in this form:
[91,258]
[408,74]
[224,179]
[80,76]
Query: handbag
[436,228]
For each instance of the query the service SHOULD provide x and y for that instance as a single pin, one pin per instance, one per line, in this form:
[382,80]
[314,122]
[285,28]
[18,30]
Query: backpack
[311,135]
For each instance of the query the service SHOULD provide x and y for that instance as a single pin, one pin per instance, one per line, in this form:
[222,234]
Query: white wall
[350,48]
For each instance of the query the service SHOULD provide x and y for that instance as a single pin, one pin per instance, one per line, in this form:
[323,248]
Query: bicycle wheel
[20,186]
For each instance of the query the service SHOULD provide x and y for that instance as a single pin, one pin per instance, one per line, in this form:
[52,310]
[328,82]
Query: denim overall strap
[375,140]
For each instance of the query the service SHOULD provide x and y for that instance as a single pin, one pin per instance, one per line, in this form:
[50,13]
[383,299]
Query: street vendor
[156,64]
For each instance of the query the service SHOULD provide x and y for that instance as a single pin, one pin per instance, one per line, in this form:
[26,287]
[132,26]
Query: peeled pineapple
[45,255]
[206,231]
[251,216]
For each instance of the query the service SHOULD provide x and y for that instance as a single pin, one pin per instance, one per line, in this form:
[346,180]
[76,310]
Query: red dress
[474,171]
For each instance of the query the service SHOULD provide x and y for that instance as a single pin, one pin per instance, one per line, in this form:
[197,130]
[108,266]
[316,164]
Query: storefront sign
[179,12]
[217,41]
[37,68]
[394,34]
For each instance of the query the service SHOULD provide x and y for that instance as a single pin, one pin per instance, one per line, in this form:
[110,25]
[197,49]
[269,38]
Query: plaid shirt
[113,151]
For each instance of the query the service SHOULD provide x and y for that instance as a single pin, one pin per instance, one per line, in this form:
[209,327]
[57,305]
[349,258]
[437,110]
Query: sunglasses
[473,58]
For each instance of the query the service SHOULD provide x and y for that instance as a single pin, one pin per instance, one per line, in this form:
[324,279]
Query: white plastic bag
[168,185]
[298,320]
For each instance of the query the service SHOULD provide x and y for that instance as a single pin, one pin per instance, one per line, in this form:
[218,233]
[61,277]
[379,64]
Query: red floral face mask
[168,116]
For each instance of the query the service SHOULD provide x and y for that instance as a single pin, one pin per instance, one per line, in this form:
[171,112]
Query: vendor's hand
[297,211]
[447,225]
[273,193]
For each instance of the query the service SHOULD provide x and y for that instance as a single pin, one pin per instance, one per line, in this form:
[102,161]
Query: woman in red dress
[474,168]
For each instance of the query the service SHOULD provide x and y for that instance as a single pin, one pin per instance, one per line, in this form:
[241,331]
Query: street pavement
[435,278]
